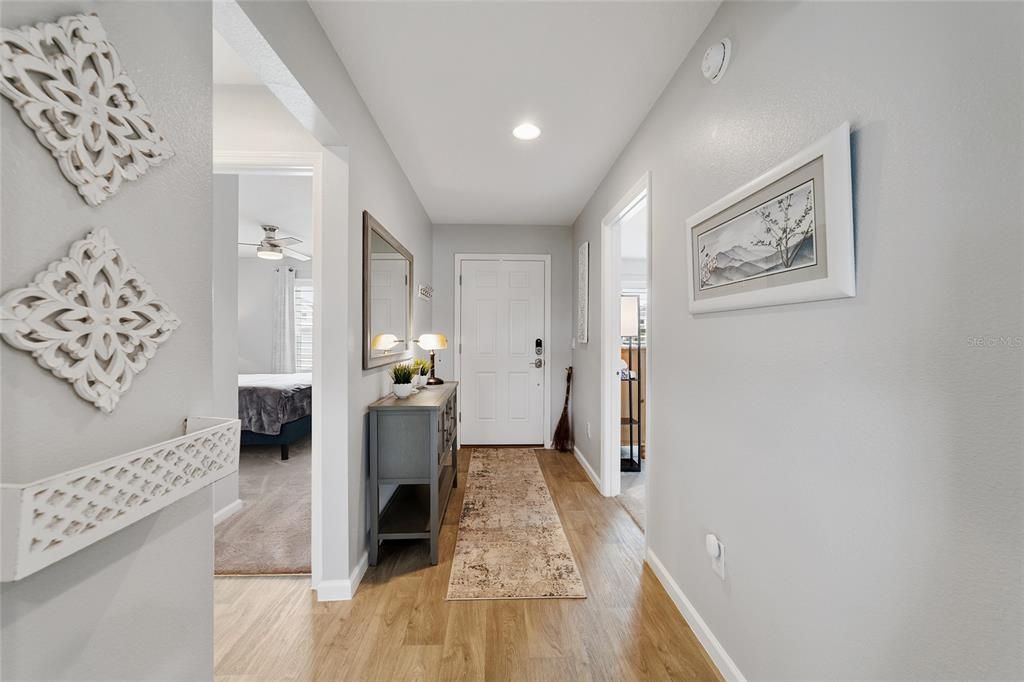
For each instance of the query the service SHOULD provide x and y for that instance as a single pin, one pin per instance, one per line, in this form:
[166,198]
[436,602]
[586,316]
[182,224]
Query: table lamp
[384,342]
[432,342]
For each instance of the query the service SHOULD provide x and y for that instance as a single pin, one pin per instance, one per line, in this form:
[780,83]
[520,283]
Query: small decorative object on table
[401,376]
[432,342]
[421,368]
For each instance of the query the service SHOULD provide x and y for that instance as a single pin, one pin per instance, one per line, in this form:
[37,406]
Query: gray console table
[413,445]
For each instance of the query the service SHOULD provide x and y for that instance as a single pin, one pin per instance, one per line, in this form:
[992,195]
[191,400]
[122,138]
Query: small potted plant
[421,369]
[401,377]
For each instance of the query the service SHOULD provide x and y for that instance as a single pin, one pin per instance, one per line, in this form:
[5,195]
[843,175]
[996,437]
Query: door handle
[538,363]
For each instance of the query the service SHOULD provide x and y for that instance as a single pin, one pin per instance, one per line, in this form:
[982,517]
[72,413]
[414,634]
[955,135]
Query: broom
[563,440]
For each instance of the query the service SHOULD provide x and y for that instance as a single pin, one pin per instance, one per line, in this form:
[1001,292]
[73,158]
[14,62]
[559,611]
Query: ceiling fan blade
[295,254]
[283,241]
[247,244]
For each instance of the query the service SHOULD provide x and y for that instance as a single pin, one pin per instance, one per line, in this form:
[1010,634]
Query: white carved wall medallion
[90,319]
[67,82]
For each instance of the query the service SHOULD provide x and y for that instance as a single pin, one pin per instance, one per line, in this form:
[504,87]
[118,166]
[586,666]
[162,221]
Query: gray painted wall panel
[129,606]
[868,486]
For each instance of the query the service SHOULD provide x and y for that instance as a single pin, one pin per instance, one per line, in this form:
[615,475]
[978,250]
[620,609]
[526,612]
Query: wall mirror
[387,296]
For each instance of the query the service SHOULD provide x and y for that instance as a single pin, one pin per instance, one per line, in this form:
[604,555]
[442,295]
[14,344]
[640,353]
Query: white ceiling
[447,82]
[282,200]
[228,67]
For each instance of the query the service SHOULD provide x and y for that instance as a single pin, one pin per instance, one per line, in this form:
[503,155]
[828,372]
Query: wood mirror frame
[370,227]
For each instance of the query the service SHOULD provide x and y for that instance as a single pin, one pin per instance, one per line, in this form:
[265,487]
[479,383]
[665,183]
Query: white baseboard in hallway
[227,510]
[343,590]
[700,628]
[594,478]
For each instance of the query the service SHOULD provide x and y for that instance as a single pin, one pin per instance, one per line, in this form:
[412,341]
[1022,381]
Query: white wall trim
[591,474]
[457,286]
[291,162]
[343,590]
[700,628]
[227,510]
[610,342]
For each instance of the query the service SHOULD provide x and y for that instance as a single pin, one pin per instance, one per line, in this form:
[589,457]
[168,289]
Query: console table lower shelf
[412,446]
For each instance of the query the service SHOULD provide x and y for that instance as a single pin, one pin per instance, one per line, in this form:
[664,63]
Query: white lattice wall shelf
[47,520]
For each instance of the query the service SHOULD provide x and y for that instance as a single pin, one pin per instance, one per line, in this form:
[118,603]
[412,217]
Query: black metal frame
[628,463]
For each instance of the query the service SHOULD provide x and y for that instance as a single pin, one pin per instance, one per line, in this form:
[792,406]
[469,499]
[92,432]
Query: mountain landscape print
[771,238]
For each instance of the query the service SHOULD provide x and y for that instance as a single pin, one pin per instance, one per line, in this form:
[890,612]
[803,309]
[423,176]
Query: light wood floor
[400,627]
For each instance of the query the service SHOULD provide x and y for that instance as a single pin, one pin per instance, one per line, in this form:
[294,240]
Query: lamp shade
[384,342]
[629,317]
[432,341]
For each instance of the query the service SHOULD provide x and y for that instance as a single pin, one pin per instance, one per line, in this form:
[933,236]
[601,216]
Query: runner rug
[511,544]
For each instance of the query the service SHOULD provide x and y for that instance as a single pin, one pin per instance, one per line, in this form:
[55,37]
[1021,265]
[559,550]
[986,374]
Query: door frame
[546,437]
[299,163]
[611,342]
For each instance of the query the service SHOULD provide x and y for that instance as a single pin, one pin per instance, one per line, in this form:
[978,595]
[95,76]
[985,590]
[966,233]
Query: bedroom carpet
[511,544]
[271,533]
[632,496]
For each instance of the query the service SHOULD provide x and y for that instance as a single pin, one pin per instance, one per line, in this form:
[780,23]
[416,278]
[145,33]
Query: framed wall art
[786,237]
[67,82]
[582,292]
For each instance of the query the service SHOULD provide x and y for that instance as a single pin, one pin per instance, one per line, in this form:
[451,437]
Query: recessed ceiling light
[526,131]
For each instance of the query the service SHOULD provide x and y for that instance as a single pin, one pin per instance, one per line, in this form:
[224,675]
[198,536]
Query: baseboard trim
[227,510]
[343,590]
[711,645]
[594,478]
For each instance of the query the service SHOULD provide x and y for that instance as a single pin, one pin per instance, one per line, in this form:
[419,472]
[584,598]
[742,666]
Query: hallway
[400,627]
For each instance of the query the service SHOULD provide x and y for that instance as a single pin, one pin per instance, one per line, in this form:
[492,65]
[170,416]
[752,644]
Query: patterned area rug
[271,533]
[511,544]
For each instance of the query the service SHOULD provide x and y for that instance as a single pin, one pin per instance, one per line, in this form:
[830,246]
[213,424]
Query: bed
[275,409]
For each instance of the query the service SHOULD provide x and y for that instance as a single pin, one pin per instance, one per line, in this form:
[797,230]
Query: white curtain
[283,349]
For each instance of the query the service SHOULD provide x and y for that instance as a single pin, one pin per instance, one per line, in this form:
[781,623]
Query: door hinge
[460,346]
[460,279]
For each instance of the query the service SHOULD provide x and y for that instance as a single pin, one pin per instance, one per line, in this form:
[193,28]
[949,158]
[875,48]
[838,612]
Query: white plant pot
[402,391]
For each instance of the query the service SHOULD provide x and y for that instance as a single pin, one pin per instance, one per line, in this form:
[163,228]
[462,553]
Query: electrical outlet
[588,430]
[716,550]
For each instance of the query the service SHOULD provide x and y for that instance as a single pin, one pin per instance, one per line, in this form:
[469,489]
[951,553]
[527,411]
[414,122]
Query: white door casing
[501,310]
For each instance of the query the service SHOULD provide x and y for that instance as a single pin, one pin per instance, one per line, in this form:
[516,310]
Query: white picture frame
[828,271]
[583,292]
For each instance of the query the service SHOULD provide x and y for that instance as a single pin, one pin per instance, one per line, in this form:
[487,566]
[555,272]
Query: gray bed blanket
[266,401]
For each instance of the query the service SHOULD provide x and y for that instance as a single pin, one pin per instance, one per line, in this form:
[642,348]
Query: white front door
[502,325]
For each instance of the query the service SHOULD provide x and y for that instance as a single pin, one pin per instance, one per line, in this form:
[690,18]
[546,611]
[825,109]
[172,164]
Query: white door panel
[502,313]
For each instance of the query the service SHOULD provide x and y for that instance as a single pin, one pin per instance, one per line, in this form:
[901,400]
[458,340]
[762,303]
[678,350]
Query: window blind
[303,325]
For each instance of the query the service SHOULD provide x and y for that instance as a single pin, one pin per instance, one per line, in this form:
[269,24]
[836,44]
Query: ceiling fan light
[269,252]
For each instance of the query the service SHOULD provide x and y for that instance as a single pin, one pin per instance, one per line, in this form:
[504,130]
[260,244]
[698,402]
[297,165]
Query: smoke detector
[716,60]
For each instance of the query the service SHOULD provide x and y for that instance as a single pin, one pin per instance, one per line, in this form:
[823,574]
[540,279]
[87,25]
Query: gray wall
[553,241]
[376,184]
[868,488]
[137,605]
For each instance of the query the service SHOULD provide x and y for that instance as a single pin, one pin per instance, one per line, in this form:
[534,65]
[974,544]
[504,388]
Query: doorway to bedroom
[270,212]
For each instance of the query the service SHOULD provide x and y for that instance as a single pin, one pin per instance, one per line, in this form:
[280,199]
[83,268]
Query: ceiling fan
[273,247]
